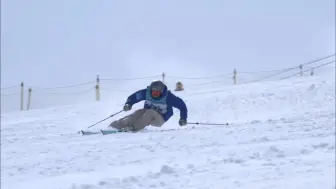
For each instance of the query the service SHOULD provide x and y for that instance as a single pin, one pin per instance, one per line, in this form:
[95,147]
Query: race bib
[161,108]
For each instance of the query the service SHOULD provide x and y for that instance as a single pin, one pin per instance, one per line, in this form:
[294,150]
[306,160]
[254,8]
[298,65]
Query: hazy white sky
[60,42]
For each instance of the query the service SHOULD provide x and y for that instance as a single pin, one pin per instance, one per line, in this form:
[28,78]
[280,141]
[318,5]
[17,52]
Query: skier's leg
[127,120]
[157,120]
[150,117]
[145,120]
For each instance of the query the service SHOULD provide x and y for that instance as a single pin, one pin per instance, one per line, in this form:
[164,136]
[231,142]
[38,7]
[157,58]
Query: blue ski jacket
[164,105]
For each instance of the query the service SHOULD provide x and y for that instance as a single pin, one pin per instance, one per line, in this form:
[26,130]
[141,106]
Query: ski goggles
[156,93]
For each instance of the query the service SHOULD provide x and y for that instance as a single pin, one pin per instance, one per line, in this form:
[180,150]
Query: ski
[107,132]
[89,132]
[102,131]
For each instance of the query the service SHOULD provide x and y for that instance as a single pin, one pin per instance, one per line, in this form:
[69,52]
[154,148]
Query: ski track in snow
[295,149]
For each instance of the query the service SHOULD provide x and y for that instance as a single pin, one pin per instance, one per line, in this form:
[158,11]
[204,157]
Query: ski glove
[183,122]
[127,107]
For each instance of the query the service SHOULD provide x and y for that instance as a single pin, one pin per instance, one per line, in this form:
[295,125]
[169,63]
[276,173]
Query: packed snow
[281,134]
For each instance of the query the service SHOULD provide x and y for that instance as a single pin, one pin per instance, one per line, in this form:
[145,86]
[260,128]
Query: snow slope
[281,135]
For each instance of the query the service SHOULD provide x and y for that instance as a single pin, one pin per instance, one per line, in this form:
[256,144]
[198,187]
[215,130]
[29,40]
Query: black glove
[127,107]
[182,122]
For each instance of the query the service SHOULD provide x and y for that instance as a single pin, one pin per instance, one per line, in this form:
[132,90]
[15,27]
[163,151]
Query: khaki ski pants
[139,120]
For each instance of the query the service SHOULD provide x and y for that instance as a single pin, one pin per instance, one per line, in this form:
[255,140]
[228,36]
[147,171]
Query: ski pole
[197,123]
[106,118]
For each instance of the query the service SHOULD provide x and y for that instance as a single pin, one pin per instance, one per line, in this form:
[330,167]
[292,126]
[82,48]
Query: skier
[157,110]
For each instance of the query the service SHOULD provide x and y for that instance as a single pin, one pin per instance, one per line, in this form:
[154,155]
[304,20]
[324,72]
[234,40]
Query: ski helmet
[156,88]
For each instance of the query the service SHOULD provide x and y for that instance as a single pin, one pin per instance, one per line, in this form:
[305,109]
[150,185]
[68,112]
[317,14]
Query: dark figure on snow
[158,108]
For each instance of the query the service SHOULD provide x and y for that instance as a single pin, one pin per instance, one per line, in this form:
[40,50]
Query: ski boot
[127,129]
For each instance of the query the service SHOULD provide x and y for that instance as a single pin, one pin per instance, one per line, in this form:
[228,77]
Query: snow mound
[281,134]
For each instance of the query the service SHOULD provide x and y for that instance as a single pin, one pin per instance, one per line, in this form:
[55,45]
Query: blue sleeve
[136,97]
[179,104]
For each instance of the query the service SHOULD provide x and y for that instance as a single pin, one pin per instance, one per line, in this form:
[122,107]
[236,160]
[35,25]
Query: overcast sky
[61,42]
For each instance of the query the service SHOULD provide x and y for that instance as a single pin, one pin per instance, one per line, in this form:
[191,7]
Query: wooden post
[301,70]
[29,98]
[234,76]
[22,93]
[97,89]
[163,77]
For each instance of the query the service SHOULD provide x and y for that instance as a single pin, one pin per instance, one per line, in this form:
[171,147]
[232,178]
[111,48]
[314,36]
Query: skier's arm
[136,97]
[179,104]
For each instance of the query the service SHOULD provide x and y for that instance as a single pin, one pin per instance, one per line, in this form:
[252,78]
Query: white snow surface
[281,134]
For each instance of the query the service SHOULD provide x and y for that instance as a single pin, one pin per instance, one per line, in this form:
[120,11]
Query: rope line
[127,79]
[63,87]
[290,69]
[269,76]
[226,75]
[309,69]
[317,60]
[222,90]
[206,77]
[10,87]
[10,94]
[70,93]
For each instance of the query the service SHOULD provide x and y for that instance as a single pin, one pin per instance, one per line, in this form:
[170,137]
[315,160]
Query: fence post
[97,89]
[312,72]
[163,77]
[301,68]
[29,98]
[234,76]
[22,93]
